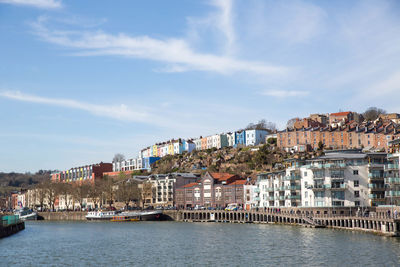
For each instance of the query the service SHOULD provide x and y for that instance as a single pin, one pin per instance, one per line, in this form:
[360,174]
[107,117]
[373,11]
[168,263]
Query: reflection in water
[173,243]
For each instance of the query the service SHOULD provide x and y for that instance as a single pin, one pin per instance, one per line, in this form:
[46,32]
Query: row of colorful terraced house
[175,147]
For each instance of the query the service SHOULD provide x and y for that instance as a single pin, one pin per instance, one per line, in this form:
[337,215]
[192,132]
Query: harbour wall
[11,229]
[63,216]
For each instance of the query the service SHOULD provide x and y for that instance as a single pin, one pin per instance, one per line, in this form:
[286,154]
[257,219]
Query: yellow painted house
[170,148]
[155,151]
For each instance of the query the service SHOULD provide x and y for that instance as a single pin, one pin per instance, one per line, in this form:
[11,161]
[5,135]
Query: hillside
[246,161]
[15,181]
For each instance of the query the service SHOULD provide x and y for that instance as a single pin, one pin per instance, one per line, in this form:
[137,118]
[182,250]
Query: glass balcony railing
[375,175]
[376,196]
[391,166]
[293,187]
[335,165]
[293,197]
[292,177]
[338,187]
[257,199]
[281,197]
[257,190]
[376,186]
[392,180]
[270,198]
[392,194]
[282,188]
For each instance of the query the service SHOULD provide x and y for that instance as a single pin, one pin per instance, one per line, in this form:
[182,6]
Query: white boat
[100,215]
[109,215]
[26,214]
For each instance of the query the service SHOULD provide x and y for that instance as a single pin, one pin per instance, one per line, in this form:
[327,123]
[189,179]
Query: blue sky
[83,80]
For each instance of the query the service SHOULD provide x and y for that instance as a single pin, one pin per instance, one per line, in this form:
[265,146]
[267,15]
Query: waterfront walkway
[377,224]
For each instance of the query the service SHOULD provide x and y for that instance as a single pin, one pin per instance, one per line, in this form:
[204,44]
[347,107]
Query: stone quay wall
[63,216]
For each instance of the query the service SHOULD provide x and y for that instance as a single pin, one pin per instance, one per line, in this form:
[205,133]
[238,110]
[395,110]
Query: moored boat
[124,216]
[26,214]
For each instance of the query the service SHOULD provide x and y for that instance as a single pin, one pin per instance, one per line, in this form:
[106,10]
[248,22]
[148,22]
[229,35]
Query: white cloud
[173,51]
[46,4]
[224,21]
[119,112]
[284,94]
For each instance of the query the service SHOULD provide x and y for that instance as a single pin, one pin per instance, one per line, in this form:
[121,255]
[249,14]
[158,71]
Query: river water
[191,244]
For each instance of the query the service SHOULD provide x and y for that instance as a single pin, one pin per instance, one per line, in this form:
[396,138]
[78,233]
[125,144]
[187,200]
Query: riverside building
[340,178]
[392,176]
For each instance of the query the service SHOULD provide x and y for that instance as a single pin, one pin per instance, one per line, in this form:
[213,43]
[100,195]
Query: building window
[356,193]
[356,183]
[355,172]
[357,203]
[305,173]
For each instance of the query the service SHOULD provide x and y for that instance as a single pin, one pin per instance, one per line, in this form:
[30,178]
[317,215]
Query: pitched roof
[221,176]
[190,185]
[238,182]
[340,113]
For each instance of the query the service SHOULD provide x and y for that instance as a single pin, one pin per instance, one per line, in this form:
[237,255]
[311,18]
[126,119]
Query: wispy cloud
[119,112]
[224,22]
[176,52]
[46,4]
[284,94]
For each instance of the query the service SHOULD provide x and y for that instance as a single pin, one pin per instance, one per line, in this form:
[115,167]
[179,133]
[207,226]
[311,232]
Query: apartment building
[215,190]
[164,187]
[341,178]
[392,175]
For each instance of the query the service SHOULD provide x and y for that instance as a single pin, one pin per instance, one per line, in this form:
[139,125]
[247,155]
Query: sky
[83,80]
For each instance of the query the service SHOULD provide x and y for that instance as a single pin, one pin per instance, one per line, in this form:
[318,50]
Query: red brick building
[87,173]
[373,135]
[212,190]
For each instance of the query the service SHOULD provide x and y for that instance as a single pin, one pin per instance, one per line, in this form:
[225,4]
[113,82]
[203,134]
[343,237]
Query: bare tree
[118,157]
[128,191]
[372,113]
[80,192]
[262,125]
[40,195]
[147,192]
[95,192]
[290,123]
[108,189]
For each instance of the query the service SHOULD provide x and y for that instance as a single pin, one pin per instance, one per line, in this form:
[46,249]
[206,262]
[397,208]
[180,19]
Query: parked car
[232,206]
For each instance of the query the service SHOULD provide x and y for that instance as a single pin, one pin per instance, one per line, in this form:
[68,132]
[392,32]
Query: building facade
[215,190]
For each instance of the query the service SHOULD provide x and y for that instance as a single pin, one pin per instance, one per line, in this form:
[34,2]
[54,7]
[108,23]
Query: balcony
[293,187]
[372,175]
[292,177]
[339,187]
[317,166]
[257,190]
[392,194]
[321,187]
[293,197]
[392,180]
[376,186]
[391,167]
[270,189]
[281,198]
[335,165]
[270,198]
[257,199]
[376,196]
[282,188]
